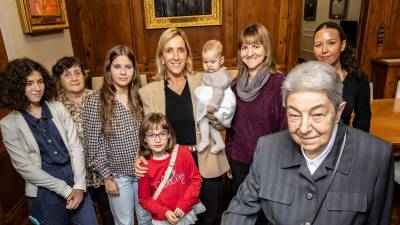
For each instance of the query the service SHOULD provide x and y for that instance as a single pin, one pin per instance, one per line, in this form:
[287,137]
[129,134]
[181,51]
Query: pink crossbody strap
[167,172]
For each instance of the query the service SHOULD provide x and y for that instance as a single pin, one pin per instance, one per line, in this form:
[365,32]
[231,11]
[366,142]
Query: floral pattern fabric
[76,109]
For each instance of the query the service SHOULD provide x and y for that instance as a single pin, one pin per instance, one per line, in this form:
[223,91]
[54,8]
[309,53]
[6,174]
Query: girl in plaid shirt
[111,121]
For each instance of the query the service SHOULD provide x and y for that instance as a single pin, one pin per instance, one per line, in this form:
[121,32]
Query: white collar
[313,164]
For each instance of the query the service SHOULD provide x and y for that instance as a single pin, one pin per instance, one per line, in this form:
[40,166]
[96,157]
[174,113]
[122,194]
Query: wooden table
[385,121]
[384,77]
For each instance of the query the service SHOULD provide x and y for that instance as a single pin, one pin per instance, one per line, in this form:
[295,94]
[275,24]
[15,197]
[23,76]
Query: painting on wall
[310,10]
[337,9]
[42,15]
[182,13]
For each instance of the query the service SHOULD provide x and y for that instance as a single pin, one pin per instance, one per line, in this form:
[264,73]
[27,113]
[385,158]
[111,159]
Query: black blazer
[280,184]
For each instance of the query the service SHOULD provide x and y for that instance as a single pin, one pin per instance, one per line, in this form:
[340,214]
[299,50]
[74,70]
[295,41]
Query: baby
[214,96]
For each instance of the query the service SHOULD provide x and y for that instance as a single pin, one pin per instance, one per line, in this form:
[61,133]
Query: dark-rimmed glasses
[163,135]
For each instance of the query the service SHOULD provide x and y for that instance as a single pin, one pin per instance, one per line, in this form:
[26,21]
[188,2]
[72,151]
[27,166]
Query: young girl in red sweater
[171,200]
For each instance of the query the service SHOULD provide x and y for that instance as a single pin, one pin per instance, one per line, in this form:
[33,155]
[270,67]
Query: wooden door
[379,32]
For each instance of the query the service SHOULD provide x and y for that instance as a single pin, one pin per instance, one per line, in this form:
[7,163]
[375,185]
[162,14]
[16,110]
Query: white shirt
[313,164]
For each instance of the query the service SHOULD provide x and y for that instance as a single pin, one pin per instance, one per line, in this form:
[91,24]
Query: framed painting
[337,9]
[182,13]
[42,15]
[310,10]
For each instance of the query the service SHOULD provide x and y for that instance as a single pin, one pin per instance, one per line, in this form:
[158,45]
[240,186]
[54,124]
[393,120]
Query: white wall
[308,27]
[43,47]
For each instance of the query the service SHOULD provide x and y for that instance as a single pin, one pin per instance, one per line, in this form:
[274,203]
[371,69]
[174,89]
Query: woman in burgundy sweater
[259,102]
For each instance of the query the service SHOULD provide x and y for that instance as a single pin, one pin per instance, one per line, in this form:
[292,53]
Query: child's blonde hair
[152,122]
[213,45]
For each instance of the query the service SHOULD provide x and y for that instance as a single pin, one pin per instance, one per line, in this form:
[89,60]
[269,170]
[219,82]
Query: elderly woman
[319,171]
[70,81]
[173,95]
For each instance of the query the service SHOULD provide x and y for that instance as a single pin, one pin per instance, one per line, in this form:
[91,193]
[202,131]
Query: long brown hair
[257,33]
[155,121]
[107,91]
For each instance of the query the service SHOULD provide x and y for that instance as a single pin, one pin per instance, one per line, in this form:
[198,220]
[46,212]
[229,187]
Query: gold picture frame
[42,15]
[337,9]
[158,13]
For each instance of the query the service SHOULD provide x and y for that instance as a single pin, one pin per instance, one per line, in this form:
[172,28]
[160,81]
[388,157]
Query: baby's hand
[210,110]
[171,217]
[179,212]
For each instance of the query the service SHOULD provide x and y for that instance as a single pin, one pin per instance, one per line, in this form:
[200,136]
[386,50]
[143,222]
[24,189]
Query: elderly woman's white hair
[314,76]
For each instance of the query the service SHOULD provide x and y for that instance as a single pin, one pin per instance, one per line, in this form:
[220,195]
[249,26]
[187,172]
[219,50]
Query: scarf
[248,91]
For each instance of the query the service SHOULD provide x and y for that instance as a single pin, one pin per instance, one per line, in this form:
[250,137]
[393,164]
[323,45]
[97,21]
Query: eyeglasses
[163,135]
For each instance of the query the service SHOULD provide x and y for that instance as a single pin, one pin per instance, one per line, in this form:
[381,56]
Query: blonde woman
[173,95]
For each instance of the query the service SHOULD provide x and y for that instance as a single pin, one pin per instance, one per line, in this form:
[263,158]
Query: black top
[179,111]
[356,93]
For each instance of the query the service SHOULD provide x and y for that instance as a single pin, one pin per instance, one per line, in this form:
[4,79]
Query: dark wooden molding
[96,27]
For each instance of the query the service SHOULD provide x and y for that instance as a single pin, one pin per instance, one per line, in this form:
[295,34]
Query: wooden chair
[97,81]
[397,95]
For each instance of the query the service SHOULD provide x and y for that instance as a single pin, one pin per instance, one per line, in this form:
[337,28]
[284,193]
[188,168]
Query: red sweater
[181,190]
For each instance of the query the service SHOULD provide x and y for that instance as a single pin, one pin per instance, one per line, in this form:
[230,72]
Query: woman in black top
[330,46]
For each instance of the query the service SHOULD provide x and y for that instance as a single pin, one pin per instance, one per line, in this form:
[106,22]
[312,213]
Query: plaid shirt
[115,153]
[76,109]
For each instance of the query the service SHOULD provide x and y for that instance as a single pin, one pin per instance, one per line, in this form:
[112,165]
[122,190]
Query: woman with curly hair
[41,139]
[330,46]
[111,122]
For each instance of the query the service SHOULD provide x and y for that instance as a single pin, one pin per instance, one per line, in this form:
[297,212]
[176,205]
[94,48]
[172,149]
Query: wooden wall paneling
[111,26]
[392,41]
[229,33]
[3,52]
[82,35]
[375,14]
[139,34]
[98,26]
[293,40]
[104,24]
[12,197]
[282,33]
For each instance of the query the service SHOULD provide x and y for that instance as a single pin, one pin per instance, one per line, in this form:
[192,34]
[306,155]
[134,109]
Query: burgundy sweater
[264,115]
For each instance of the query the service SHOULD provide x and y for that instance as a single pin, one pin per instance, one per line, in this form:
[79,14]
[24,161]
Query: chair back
[97,82]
